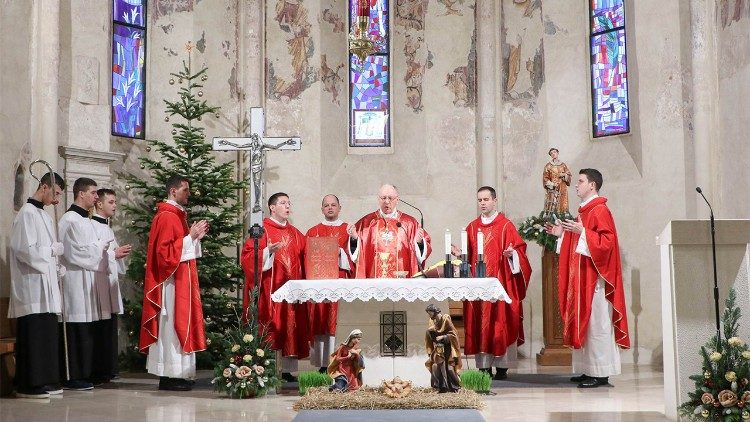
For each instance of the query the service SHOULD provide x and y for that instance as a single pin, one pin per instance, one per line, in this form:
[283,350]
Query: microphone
[700,191]
[421,216]
[716,281]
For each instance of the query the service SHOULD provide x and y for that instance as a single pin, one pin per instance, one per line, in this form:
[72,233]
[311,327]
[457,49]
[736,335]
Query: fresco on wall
[339,24]
[292,18]
[410,14]
[167,7]
[418,60]
[462,82]
[522,50]
[330,78]
[452,7]
[732,11]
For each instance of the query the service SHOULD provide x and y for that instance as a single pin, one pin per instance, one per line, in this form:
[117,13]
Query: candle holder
[463,270]
[481,269]
[448,267]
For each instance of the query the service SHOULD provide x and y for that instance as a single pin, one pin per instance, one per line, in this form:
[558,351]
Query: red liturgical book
[322,258]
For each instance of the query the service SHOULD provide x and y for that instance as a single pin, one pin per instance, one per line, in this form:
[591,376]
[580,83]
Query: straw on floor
[371,398]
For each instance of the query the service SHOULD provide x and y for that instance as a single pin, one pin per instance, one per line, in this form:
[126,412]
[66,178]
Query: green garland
[532,228]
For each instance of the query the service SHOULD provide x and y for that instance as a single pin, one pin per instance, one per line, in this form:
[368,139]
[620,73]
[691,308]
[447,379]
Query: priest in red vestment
[590,290]
[172,319]
[282,252]
[494,330]
[323,316]
[387,242]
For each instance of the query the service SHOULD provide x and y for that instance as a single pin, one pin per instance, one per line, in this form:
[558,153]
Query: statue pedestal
[553,353]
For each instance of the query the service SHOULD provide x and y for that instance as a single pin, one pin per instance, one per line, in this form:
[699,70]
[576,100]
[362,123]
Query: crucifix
[256,144]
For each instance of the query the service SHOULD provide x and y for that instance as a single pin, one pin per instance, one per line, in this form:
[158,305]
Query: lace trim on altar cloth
[388,289]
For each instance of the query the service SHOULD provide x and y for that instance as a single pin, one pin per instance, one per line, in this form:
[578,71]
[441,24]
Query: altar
[391,314]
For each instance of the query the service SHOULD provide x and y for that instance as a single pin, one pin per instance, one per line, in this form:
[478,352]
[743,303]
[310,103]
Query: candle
[447,242]
[363,8]
[464,242]
[480,242]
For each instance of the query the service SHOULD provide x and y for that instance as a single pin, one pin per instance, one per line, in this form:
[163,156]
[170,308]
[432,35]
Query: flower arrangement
[532,228]
[721,391]
[248,368]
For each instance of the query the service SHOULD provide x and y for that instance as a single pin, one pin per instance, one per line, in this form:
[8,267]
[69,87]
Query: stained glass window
[128,68]
[369,82]
[609,75]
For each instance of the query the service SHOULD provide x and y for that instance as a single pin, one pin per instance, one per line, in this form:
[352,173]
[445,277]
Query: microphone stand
[421,223]
[716,282]
[256,232]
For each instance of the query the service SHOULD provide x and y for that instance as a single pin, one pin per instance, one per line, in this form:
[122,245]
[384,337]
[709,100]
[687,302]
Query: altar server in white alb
[84,252]
[107,284]
[34,292]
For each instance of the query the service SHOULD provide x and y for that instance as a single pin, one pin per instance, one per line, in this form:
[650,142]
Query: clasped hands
[199,229]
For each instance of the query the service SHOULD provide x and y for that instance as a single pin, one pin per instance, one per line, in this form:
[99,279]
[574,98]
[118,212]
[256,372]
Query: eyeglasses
[388,198]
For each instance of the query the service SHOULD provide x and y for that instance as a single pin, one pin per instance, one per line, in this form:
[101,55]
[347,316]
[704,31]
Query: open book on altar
[322,258]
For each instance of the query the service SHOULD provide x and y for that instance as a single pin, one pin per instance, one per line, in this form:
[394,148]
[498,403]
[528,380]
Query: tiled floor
[636,396]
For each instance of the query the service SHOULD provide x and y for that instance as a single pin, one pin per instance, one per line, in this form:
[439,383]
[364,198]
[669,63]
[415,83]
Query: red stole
[578,275]
[386,248]
[168,229]
[323,316]
[286,324]
[492,327]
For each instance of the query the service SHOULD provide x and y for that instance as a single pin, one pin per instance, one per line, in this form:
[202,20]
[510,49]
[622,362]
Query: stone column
[45,62]
[489,138]
[705,95]
[250,73]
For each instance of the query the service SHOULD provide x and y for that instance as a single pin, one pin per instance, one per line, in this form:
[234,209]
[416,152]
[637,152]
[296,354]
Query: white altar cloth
[393,289]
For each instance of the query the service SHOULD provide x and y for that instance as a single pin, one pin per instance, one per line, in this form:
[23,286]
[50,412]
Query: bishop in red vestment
[172,320]
[323,316]
[495,330]
[389,241]
[590,289]
[282,252]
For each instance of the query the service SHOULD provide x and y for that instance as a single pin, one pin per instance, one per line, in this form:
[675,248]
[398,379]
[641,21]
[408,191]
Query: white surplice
[107,277]
[84,252]
[34,288]
[165,356]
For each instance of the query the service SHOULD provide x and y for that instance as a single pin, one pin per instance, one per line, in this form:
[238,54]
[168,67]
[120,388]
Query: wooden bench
[7,347]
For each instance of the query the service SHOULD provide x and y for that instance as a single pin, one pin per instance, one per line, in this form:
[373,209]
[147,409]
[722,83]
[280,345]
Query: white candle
[480,242]
[447,242]
[464,242]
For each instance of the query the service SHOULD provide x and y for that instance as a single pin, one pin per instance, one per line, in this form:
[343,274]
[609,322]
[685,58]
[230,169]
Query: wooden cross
[256,144]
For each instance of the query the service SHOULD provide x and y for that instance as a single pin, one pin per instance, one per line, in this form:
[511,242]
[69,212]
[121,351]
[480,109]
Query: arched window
[369,82]
[609,70]
[129,68]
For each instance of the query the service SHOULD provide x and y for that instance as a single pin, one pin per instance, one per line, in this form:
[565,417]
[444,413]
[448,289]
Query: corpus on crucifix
[256,144]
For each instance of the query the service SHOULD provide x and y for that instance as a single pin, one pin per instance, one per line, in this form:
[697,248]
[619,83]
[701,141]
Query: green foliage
[215,197]
[248,364]
[721,390]
[532,228]
[476,380]
[312,379]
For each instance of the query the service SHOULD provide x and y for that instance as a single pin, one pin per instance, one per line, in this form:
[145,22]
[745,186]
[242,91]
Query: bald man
[386,242]
[323,316]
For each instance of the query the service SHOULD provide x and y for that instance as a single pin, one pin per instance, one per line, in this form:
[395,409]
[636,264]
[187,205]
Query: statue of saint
[443,351]
[556,179]
[347,364]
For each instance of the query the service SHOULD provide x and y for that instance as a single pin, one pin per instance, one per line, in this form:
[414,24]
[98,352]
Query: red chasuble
[287,324]
[323,315]
[382,251]
[168,230]
[492,327]
[578,274]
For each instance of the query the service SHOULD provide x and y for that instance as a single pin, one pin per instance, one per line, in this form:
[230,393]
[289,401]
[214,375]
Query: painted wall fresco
[729,11]
[292,18]
[462,82]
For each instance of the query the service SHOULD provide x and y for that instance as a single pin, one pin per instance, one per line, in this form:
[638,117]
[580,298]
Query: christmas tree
[215,197]
[721,391]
